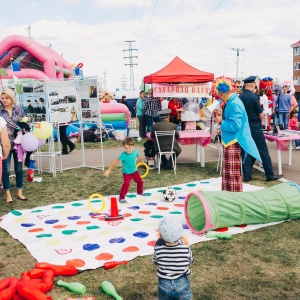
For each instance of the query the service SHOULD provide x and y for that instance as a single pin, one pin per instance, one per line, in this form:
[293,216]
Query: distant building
[296,68]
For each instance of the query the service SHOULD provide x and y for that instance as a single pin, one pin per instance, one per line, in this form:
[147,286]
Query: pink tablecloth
[199,137]
[282,141]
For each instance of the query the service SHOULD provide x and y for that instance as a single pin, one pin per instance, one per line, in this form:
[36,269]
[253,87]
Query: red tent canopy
[178,71]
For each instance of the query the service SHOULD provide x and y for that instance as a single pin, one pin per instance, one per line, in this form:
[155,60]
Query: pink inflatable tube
[111,108]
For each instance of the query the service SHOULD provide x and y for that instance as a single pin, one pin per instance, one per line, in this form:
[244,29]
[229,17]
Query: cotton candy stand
[206,210]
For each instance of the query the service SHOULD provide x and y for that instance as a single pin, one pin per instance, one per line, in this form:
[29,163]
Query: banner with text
[181,90]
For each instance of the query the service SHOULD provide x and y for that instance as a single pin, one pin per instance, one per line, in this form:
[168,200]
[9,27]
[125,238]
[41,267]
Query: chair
[162,135]
[105,128]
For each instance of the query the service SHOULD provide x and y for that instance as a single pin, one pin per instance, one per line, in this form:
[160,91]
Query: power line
[148,24]
[200,24]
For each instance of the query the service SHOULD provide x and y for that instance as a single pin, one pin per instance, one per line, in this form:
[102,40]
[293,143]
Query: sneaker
[139,139]
[298,147]
[122,201]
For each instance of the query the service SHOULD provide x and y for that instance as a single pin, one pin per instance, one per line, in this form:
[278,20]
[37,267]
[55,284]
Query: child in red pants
[129,158]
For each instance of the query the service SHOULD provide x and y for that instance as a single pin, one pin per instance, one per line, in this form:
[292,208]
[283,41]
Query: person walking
[255,119]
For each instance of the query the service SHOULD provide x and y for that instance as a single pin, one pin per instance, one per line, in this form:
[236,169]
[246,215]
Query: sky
[203,33]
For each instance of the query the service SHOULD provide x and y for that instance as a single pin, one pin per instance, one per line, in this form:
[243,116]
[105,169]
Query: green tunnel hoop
[205,211]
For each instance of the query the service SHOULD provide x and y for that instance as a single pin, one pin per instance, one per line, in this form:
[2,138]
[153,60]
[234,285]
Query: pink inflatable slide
[36,61]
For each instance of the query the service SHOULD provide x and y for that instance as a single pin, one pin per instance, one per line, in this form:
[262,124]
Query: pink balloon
[29,142]
[41,142]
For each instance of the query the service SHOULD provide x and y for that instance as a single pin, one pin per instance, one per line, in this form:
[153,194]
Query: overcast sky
[201,32]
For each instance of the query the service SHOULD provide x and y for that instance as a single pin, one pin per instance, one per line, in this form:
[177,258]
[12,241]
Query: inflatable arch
[36,61]
[205,211]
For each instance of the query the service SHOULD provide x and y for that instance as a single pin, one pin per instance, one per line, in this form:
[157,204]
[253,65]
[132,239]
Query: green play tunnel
[206,211]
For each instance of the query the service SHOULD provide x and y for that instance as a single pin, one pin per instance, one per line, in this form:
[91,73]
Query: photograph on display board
[93,91]
[85,103]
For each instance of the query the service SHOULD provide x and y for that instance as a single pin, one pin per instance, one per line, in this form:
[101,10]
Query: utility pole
[104,81]
[237,60]
[131,64]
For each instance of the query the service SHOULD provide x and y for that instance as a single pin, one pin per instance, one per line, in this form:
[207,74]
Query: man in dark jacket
[166,142]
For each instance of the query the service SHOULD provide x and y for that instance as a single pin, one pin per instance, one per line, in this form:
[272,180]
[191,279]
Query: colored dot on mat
[59,226]
[241,226]
[127,215]
[185,226]
[83,222]
[131,249]
[37,210]
[68,232]
[58,207]
[179,205]
[104,256]
[136,219]
[162,208]
[221,229]
[134,207]
[191,184]
[75,262]
[92,227]
[96,201]
[177,188]
[151,243]
[151,203]
[90,247]
[141,234]
[156,216]
[175,212]
[15,212]
[74,218]
[44,235]
[77,204]
[51,221]
[144,212]
[36,230]
[147,194]
[160,191]
[130,196]
[27,224]
[63,251]
[181,197]
[117,240]
[204,182]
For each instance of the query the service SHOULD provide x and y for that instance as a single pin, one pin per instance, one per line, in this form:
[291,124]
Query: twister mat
[69,233]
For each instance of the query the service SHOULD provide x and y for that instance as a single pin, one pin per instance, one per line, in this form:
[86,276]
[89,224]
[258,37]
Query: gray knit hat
[170,229]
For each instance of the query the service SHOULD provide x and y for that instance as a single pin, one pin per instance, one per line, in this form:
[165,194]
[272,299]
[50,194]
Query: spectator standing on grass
[151,108]
[12,114]
[140,104]
[294,125]
[129,159]
[172,258]
[284,103]
[235,133]
[255,118]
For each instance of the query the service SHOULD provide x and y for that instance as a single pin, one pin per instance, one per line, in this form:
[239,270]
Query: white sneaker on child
[139,139]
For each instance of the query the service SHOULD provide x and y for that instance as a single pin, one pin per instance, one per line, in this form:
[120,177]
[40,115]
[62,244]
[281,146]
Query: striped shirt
[172,261]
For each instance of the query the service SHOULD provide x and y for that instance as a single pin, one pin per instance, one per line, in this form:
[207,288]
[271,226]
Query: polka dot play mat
[70,233]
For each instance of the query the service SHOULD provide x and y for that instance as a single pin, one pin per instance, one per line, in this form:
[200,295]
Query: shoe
[22,199]
[274,178]
[11,201]
[122,201]
[298,147]
[246,180]
[64,153]
[143,194]
[139,139]
[72,148]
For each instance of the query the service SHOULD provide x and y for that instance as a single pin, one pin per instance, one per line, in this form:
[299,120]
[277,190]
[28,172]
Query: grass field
[260,264]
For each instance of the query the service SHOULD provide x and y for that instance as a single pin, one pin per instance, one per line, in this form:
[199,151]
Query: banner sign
[166,90]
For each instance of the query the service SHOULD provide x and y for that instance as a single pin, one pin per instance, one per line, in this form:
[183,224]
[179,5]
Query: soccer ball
[169,194]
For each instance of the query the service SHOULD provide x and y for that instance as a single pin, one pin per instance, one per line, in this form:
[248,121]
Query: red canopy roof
[178,71]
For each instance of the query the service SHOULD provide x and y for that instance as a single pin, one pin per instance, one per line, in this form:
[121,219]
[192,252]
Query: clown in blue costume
[235,134]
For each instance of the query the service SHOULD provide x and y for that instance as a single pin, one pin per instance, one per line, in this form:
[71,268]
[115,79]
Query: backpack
[149,149]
